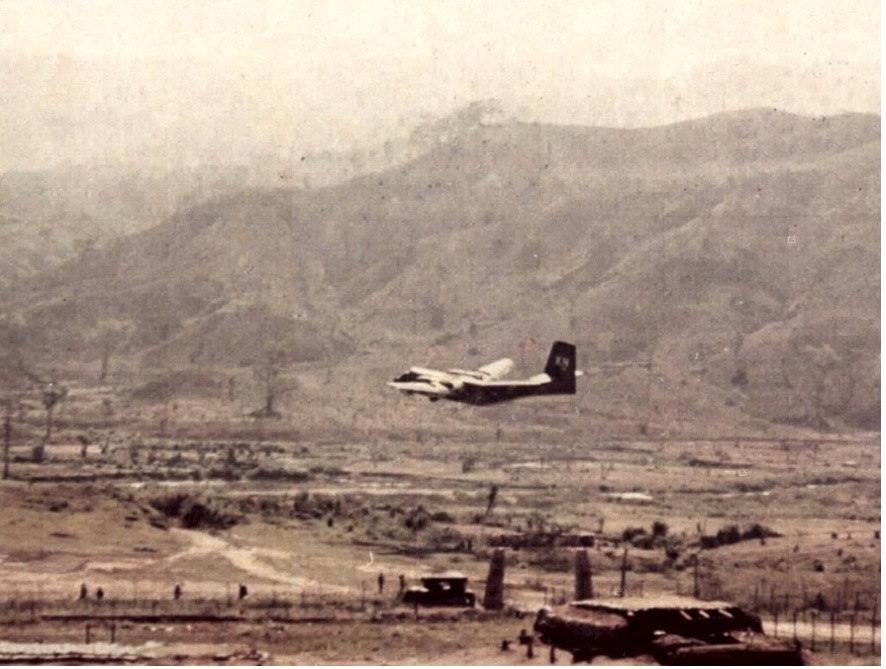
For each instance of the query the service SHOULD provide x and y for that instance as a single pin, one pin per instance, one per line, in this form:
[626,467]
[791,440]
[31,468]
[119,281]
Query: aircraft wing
[497,369]
[537,380]
[422,388]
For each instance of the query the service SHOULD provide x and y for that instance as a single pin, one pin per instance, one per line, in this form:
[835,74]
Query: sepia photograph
[524,332]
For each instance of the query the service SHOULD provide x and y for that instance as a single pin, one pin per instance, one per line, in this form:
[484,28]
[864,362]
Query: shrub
[417,519]
[632,532]
[672,551]
[644,542]
[728,535]
[732,535]
[192,513]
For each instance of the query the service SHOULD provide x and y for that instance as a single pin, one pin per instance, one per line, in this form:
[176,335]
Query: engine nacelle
[453,385]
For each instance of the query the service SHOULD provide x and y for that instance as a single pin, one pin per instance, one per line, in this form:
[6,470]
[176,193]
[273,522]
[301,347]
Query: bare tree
[493,495]
[272,384]
[111,334]
[52,395]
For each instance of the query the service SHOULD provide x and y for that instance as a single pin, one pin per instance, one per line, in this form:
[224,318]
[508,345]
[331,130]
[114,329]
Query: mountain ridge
[679,258]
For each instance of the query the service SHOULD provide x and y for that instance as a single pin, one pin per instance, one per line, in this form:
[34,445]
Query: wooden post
[113,632]
[88,640]
[622,589]
[852,634]
[775,623]
[495,582]
[695,590]
[584,588]
[795,625]
[813,615]
[7,437]
[833,615]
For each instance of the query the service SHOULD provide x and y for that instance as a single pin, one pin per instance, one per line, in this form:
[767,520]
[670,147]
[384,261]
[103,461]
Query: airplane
[484,385]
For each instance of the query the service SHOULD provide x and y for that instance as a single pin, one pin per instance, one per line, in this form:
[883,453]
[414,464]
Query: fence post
[813,615]
[852,634]
[795,626]
[833,616]
[775,623]
[696,592]
[623,584]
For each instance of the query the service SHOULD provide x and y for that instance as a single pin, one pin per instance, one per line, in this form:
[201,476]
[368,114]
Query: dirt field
[307,520]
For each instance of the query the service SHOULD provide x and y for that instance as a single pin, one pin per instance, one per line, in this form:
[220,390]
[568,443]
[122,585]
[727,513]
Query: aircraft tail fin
[561,366]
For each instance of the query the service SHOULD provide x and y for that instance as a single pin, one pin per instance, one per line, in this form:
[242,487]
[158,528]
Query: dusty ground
[356,642]
[308,520]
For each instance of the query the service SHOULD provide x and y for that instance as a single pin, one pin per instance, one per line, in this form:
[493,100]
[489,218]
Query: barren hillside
[726,267]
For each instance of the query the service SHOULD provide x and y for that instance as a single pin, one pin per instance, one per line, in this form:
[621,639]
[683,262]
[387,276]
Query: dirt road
[248,559]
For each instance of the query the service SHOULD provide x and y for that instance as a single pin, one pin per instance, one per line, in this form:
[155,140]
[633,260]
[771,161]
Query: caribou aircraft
[485,385]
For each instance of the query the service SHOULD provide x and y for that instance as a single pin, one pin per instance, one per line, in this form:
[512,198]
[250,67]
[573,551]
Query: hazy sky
[270,76]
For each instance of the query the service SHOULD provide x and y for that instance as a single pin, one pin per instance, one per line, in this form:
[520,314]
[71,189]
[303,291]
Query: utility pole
[622,590]
[695,590]
[7,436]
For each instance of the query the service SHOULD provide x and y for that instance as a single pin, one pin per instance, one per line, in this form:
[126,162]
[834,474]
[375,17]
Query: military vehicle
[444,590]
[672,630]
